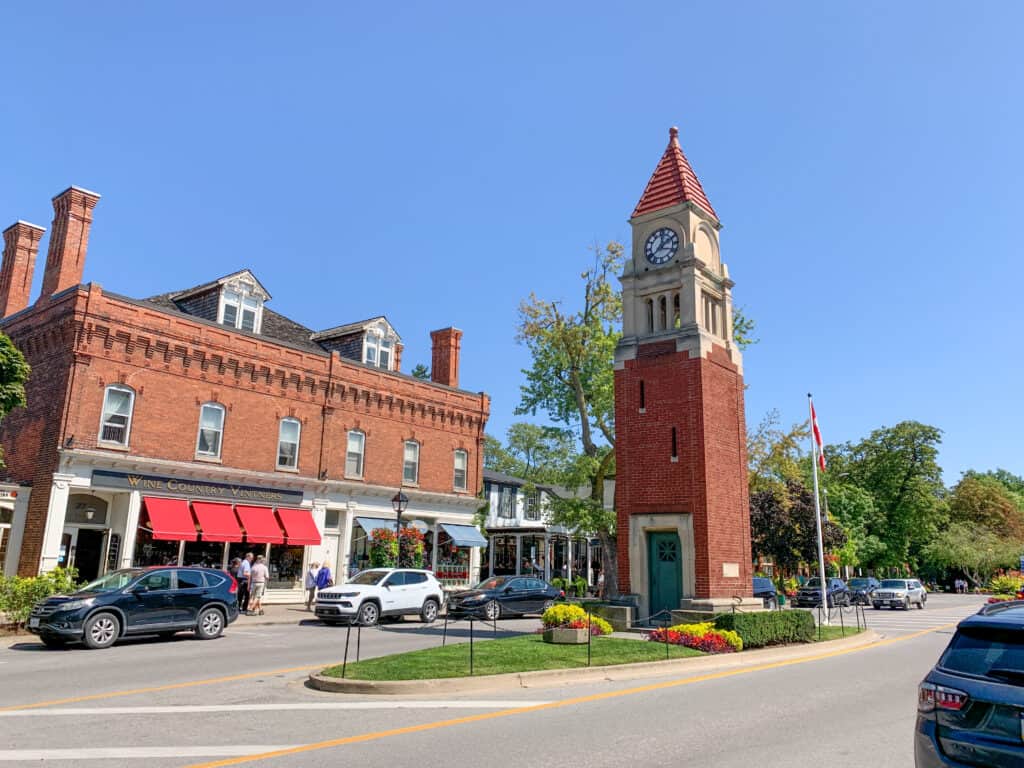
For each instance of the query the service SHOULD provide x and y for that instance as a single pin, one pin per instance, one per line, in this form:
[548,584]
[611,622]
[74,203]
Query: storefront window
[285,564]
[533,557]
[204,554]
[150,551]
[579,559]
[452,561]
[359,554]
[504,555]
[559,557]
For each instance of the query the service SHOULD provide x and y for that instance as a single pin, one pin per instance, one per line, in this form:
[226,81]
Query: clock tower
[680,449]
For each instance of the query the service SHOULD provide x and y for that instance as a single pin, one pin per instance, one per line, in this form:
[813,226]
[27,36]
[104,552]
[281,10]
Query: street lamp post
[399,502]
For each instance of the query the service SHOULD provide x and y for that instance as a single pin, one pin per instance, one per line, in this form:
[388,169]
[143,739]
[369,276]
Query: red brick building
[680,449]
[199,424]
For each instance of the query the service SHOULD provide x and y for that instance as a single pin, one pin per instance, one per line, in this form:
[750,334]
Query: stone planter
[565,636]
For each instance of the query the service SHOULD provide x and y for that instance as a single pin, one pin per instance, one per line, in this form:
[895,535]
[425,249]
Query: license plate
[33,623]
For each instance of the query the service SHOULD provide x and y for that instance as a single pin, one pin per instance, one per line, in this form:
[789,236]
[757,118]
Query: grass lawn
[513,654]
[835,632]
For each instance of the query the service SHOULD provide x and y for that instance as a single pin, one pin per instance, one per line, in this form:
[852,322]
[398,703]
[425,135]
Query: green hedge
[769,627]
[18,594]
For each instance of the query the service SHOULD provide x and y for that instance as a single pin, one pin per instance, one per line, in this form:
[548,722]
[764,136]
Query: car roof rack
[991,608]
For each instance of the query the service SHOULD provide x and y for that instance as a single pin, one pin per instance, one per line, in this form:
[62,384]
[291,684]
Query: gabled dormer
[371,342]
[235,300]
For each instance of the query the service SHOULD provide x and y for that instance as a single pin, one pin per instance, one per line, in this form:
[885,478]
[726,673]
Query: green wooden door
[665,571]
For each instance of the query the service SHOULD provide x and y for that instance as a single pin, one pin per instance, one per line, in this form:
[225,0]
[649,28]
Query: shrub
[560,583]
[18,594]
[703,637]
[1009,583]
[769,627]
[573,616]
[580,586]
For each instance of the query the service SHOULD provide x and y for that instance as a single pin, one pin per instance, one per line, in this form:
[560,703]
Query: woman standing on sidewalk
[258,575]
[323,576]
[311,575]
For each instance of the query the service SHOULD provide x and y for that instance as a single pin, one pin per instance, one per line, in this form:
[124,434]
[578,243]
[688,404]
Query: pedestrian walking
[314,568]
[258,575]
[324,579]
[242,577]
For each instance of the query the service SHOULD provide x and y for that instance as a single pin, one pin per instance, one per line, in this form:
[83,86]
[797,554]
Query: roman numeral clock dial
[661,246]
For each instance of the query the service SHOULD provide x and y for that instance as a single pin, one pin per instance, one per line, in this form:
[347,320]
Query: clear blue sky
[437,161]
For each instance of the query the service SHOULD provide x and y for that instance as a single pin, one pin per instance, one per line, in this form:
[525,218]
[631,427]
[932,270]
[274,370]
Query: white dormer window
[241,307]
[378,350]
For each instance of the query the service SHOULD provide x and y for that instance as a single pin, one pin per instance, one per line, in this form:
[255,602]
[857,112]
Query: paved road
[777,716]
[939,609]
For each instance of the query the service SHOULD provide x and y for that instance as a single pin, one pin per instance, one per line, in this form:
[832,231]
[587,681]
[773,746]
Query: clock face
[661,246]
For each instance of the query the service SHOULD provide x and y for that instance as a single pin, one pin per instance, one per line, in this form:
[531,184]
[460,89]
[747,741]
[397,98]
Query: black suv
[970,709]
[862,588]
[139,601]
[810,593]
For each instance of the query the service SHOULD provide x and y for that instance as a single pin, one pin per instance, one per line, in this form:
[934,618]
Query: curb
[618,672]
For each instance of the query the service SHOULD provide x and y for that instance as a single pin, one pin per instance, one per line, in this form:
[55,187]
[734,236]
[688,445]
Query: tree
[774,456]
[782,527]
[898,466]
[571,380]
[420,371]
[742,329]
[541,454]
[854,510]
[985,501]
[975,550]
[14,372]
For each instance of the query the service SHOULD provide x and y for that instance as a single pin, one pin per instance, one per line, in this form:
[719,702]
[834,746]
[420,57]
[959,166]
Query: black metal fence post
[471,645]
[842,622]
[444,632]
[359,639]
[344,663]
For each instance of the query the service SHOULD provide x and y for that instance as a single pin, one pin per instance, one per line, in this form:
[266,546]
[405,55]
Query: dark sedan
[138,601]
[861,589]
[504,596]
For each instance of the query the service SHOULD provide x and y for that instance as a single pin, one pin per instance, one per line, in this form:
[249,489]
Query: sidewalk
[292,613]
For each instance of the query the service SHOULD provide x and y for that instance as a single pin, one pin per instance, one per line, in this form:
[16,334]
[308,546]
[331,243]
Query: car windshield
[815,582]
[987,652]
[112,581]
[368,577]
[492,583]
[858,582]
[894,584]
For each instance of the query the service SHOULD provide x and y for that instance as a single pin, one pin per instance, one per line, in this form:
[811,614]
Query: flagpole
[817,517]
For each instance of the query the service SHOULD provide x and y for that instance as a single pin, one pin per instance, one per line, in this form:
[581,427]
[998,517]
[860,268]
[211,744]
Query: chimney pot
[21,245]
[446,346]
[69,239]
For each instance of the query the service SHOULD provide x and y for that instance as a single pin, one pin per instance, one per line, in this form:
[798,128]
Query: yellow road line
[155,688]
[555,704]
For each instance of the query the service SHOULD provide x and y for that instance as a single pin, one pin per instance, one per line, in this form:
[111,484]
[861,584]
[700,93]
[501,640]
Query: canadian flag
[817,438]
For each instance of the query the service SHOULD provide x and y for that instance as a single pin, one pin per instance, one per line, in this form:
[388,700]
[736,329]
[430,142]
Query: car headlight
[74,605]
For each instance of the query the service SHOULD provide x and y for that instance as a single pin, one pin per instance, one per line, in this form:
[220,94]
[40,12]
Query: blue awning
[464,535]
[370,524]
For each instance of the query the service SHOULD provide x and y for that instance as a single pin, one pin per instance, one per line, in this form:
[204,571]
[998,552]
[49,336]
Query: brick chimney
[21,244]
[69,239]
[444,366]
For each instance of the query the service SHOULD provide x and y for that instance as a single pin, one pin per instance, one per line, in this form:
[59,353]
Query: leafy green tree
[782,527]
[571,380]
[774,455]
[14,372]
[973,549]
[899,467]
[854,510]
[541,454]
[985,501]
[742,329]
[420,371]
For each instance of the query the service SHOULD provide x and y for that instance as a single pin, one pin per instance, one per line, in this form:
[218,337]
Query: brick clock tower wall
[681,464]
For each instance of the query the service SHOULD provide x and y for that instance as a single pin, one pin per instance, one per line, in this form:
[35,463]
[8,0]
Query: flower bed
[701,637]
[570,616]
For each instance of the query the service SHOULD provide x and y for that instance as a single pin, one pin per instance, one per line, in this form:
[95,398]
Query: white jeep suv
[381,592]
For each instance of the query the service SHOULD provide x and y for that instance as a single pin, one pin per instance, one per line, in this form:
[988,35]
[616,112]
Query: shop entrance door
[665,571]
[87,548]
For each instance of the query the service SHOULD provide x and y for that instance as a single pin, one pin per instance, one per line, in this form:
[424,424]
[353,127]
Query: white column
[548,551]
[474,565]
[433,550]
[318,554]
[590,563]
[55,514]
[17,532]
[568,557]
[345,553]
[131,529]
[519,552]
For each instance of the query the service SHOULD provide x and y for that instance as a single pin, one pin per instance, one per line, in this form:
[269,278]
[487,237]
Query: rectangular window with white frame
[461,465]
[241,310]
[378,350]
[354,454]
[411,463]
[211,430]
[288,444]
[116,420]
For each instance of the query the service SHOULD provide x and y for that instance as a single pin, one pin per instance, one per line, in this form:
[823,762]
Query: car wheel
[920,604]
[101,630]
[492,611]
[53,642]
[429,611]
[369,614]
[906,603]
[210,624]
[546,604]
[876,606]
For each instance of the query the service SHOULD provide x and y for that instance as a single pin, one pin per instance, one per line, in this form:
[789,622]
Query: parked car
[381,592]
[810,593]
[970,707]
[138,601]
[861,589]
[504,596]
[900,593]
[765,589]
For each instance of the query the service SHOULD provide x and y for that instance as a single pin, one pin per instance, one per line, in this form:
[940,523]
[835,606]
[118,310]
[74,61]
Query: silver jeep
[899,593]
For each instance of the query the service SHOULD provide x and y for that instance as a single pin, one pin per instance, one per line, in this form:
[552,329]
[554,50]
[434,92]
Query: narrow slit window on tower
[675,446]
[643,399]
[650,315]
[676,321]
[662,314]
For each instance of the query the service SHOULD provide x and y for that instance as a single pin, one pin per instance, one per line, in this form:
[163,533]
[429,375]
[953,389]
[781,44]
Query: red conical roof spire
[673,182]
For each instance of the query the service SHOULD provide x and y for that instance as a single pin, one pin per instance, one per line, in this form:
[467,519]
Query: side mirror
[139,589]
